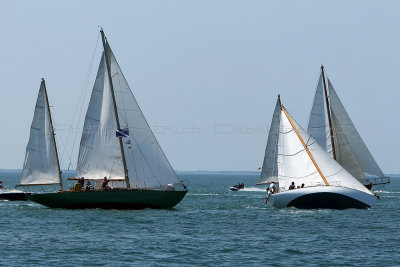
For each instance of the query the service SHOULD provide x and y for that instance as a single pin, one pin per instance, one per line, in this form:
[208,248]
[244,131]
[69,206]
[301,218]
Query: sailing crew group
[78,187]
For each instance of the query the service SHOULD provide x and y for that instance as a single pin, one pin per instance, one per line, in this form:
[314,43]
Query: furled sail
[348,131]
[100,152]
[318,125]
[300,165]
[269,172]
[40,165]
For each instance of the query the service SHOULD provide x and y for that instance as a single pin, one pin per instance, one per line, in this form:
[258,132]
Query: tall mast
[53,135]
[328,109]
[103,38]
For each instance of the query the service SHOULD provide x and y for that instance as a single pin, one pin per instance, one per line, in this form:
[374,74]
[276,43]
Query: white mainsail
[349,131]
[100,153]
[314,167]
[41,165]
[269,172]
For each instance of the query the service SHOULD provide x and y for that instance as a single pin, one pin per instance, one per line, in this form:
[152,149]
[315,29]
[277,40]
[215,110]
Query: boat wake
[254,189]
[386,192]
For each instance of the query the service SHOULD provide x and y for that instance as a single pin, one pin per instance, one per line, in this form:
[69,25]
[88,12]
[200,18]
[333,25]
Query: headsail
[100,154]
[310,167]
[318,123]
[355,143]
[41,162]
[269,172]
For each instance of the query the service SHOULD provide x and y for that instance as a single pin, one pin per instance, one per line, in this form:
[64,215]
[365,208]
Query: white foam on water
[6,190]
[387,192]
[254,189]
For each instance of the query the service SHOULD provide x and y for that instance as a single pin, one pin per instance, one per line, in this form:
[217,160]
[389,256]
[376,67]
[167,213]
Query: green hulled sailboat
[117,143]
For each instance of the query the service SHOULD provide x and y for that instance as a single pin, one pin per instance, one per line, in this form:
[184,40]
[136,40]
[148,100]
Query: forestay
[269,172]
[40,165]
[348,131]
[298,167]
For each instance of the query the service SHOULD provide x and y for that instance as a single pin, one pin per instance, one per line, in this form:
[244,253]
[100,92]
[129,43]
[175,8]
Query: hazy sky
[205,73]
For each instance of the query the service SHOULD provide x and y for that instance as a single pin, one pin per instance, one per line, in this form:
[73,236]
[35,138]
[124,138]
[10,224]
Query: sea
[212,226]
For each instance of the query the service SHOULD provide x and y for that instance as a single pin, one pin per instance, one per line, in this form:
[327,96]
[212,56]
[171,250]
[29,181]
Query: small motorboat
[237,187]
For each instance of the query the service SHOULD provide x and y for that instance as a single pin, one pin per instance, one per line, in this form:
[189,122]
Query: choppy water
[210,227]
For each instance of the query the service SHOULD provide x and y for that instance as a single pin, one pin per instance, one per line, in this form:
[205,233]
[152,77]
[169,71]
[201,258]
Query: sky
[205,73]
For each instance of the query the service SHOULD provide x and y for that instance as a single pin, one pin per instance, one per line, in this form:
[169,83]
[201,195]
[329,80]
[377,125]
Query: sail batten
[297,164]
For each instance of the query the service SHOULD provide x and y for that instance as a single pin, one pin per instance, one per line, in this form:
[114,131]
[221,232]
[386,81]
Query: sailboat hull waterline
[110,199]
[322,197]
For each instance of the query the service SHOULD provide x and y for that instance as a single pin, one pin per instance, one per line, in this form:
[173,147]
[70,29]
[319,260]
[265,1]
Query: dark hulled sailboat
[117,143]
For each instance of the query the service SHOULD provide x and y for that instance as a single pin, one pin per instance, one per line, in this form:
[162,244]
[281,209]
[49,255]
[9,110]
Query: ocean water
[212,226]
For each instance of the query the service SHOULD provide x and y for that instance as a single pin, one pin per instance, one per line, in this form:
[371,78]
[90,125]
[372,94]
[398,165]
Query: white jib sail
[269,172]
[356,144]
[318,125]
[40,165]
[298,167]
[147,165]
[99,151]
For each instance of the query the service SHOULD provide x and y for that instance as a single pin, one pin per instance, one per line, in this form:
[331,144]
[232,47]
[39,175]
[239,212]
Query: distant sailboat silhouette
[293,156]
[332,128]
[117,143]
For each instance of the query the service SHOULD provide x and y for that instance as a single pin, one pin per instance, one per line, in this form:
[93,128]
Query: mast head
[279,100]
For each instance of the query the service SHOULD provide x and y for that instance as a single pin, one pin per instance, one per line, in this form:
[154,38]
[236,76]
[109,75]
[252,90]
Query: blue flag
[122,132]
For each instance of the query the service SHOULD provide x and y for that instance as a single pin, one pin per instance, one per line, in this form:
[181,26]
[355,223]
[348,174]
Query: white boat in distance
[292,156]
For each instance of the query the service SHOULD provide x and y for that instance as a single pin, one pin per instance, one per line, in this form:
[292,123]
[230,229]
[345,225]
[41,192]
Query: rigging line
[144,118]
[152,134]
[81,100]
[124,109]
[302,142]
[145,159]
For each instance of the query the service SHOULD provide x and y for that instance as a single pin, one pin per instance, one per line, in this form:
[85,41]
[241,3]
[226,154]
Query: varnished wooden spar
[304,145]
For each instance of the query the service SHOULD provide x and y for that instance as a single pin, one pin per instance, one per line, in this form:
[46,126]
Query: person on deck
[302,185]
[292,186]
[104,185]
[1,184]
[79,185]
[88,186]
[272,188]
